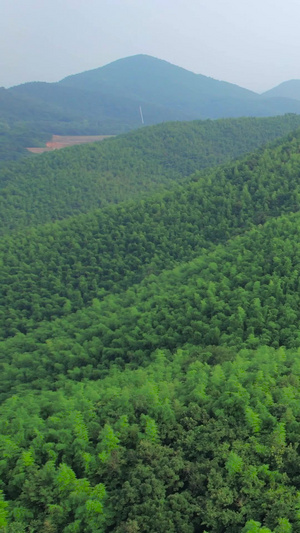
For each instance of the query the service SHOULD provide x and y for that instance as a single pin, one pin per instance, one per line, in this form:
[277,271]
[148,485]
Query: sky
[254,44]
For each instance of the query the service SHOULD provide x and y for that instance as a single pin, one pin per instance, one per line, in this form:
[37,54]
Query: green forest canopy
[51,270]
[150,360]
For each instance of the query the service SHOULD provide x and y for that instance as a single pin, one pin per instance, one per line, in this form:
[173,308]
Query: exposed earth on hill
[63,141]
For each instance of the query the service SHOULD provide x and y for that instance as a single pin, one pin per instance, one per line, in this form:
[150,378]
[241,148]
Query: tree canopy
[149,352]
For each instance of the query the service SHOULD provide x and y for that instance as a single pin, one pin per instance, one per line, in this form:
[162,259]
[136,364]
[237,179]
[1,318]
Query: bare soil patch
[62,141]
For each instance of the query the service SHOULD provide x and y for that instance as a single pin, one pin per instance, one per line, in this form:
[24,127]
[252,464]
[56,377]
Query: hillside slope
[100,106]
[58,185]
[240,294]
[52,270]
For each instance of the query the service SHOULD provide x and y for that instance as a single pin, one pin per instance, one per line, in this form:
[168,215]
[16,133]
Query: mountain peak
[154,80]
[286,89]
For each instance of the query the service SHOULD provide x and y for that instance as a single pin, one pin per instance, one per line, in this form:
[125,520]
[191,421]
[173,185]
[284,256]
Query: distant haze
[253,44]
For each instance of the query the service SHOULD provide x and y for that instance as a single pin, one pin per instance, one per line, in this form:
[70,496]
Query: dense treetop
[203,441]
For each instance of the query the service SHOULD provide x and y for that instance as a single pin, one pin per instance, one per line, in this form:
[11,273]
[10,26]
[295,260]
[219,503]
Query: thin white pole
[141,113]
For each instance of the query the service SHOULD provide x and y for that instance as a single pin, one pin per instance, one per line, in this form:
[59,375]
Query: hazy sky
[253,43]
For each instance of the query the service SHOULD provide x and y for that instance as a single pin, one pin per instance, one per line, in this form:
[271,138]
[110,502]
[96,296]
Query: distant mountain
[124,95]
[148,79]
[114,93]
[287,89]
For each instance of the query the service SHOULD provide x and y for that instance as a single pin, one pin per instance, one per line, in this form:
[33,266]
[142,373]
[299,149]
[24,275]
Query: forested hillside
[149,352]
[49,271]
[57,185]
